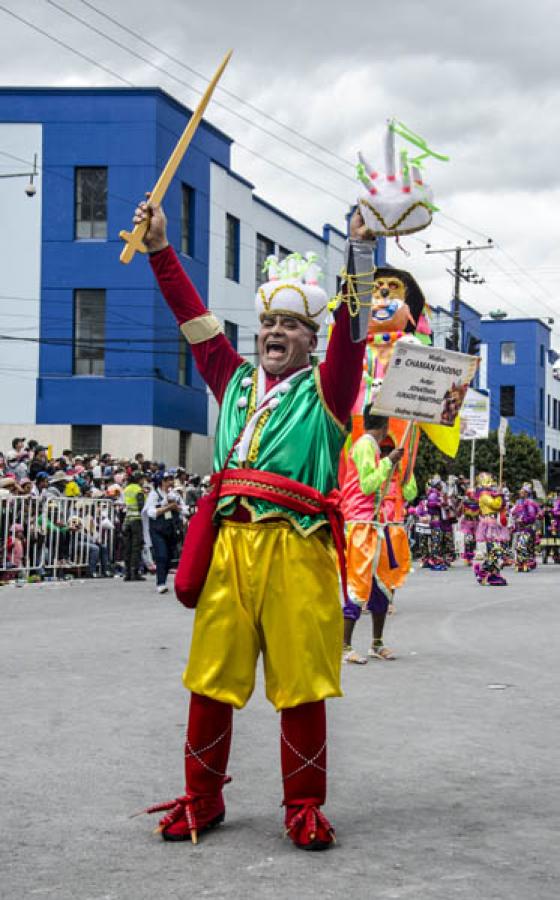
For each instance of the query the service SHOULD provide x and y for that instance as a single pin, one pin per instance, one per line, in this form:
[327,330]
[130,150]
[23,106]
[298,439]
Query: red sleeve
[341,372]
[216,359]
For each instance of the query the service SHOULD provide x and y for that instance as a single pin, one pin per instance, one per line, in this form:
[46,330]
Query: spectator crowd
[91,516]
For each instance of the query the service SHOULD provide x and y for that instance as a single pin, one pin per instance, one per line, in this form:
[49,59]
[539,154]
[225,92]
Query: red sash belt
[293,495]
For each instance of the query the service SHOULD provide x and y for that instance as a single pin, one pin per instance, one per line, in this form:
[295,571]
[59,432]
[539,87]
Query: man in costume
[550,540]
[491,531]
[525,513]
[378,553]
[468,524]
[435,502]
[272,585]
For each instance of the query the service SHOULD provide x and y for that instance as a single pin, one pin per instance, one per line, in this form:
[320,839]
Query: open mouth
[275,349]
[382,313]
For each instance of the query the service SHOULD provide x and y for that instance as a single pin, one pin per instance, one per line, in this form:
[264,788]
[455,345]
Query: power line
[222,89]
[196,90]
[270,162]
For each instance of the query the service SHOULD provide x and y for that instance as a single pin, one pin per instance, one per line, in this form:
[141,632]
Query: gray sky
[481,84]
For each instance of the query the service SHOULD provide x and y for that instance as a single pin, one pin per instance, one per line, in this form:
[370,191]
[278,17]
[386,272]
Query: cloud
[479,81]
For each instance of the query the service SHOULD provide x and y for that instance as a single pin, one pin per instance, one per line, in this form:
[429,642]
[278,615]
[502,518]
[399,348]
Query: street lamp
[30,188]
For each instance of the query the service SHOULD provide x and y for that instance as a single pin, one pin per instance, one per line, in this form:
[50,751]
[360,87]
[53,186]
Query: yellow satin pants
[273,591]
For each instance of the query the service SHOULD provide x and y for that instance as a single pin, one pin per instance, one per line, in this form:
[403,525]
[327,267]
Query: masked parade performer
[550,541]
[272,585]
[435,502]
[449,519]
[378,553]
[422,531]
[468,524]
[525,514]
[491,531]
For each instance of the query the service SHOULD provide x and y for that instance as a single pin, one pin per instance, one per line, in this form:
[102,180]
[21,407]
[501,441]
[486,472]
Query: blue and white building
[90,355]
[518,367]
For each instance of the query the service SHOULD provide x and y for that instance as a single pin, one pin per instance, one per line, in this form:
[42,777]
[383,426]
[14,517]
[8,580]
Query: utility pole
[461,274]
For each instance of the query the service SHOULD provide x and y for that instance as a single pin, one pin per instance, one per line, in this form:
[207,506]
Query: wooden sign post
[135,239]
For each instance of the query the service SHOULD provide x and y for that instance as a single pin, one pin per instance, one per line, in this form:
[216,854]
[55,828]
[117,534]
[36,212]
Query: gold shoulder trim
[201,329]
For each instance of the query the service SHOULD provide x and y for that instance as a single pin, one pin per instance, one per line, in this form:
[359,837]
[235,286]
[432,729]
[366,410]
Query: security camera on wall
[30,189]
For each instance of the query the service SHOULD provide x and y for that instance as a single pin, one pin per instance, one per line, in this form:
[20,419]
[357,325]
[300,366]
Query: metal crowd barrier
[52,535]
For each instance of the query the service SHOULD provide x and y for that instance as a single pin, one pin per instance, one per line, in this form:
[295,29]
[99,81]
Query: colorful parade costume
[435,503]
[469,523]
[525,514]
[550,539]
[378,552]
[492,532]
[272,585]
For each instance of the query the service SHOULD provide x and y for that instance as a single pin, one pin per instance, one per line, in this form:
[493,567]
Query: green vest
[131,492]
[300,439]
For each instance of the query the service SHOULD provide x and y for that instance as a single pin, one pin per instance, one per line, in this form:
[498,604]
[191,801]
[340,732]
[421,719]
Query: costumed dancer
[491,532]
[525,514]
[272,585]
[468,524]
[377,550]
[449,519]
[423,532]
[550,540]
[435,501]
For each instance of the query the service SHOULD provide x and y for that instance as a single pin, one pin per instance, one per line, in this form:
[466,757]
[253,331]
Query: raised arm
[341,372]
[215,358]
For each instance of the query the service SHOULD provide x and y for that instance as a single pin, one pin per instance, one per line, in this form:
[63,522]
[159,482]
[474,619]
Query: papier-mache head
[399,201]
[293,290]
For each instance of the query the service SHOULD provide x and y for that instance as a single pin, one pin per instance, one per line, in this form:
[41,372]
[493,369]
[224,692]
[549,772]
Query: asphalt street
[444,764]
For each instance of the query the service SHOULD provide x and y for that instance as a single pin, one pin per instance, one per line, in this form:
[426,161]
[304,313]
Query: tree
[522,461]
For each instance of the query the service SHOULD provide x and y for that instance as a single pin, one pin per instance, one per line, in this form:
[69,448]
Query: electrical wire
[223,90]
[279,166]
[196,90]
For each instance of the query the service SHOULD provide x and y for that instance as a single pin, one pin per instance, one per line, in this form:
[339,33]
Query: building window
[507,400]
[542,355]
[86,439]
[187,220]
[89,332]
[184,437]
[231,331]
[283,252]
[184,372]
[91,203]
[232,248]
[507,354]
[264,248]
[541,405]
[548,410]
[555,413]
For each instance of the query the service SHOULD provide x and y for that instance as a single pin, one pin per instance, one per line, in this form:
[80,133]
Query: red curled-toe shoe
[307,826]
[189,816]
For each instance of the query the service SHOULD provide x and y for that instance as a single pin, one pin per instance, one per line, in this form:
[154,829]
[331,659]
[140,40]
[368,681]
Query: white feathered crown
[293,289]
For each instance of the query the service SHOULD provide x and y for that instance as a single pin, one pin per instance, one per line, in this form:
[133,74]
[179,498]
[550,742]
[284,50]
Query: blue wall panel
[132,132]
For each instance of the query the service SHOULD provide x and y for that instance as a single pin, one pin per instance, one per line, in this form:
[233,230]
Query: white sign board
[502,436]
[475,416]
[538,489]
[424,383]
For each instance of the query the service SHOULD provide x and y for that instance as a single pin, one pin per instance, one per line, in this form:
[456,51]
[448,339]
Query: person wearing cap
[39,462]
[132,529]
[272,585]
[163,509]
[17,460]
[40,485]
